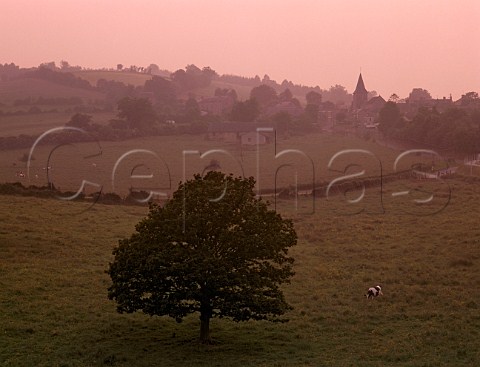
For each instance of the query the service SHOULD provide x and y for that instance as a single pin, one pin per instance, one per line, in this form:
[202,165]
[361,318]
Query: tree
[469,98]
[419,95]
[311,112]
[314,98]
[286,95]
[153,69]
[138,112]
[64,65]
[338,94]
[245,111]
[394,98]
[81,121]
[389,118]
[213,249]
[209,73]
[163,91]
[119,67]
[264,94]
[192,110]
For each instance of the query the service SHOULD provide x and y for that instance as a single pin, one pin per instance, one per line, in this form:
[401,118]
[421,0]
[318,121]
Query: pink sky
[399,45]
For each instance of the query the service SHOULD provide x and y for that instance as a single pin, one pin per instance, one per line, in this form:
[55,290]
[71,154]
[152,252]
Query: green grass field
[305,156]
[55,312]
[37,124]
[92,76]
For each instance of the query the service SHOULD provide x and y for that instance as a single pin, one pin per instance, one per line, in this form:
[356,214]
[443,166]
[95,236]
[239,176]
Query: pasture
[169,159]
[36,124]
[11,90]
[92,76]
[55,312]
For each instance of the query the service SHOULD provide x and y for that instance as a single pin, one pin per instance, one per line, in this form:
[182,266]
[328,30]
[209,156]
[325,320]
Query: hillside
[138,79]
[22,88]
[92,76]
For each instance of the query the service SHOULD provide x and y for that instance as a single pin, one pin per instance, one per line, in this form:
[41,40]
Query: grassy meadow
[12,90]
[92,76]
[54,309]
[305,158]
[37,124]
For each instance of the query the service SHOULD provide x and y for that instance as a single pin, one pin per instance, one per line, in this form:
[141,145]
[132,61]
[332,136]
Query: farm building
[245,133]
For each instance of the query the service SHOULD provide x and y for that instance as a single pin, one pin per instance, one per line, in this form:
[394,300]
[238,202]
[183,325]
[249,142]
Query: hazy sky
[399,45]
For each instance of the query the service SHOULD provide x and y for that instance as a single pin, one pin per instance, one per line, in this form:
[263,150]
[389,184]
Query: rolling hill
[22,88]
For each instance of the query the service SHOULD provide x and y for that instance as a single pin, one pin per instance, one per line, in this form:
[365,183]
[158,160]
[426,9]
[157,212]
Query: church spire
[360,95]
[360,86]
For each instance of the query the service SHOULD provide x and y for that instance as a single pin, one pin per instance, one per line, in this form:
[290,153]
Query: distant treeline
[183,80]
[456,130]
[48,101]
[67,79]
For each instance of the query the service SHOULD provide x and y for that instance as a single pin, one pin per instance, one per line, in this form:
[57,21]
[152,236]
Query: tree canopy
[138,112]
[246,111]
[213,249]
[389,118]
[419,94]
[264,94]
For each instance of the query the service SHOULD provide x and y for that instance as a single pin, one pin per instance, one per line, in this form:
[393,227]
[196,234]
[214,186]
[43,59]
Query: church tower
[360,95]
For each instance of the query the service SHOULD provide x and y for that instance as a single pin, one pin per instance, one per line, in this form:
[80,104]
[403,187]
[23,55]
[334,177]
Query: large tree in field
[214,249]
[138,112]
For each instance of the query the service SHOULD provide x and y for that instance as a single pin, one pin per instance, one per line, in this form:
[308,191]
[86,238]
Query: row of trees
[455,129]
[337,93]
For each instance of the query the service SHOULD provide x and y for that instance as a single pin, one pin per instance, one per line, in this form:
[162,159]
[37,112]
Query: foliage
[138,112]
[314,98]
[337,94]
[470,98]
[389,118]
[394,98]
[81,121]
[193,77]
[282,118]
[285,96]
[246,111]
[311,112]
[163,91]
[192,110]
[115,90]
[264,95]
[58,77]
[213,248]
[455,129]
[418,94]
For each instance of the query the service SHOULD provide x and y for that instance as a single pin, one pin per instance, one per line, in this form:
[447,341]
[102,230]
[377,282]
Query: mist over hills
[78,77]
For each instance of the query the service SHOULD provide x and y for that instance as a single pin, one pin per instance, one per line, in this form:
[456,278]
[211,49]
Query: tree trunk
[205,316]
[205,329]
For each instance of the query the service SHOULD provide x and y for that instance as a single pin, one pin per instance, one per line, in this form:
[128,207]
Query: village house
[218,105]
[244,133]
[286,106]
